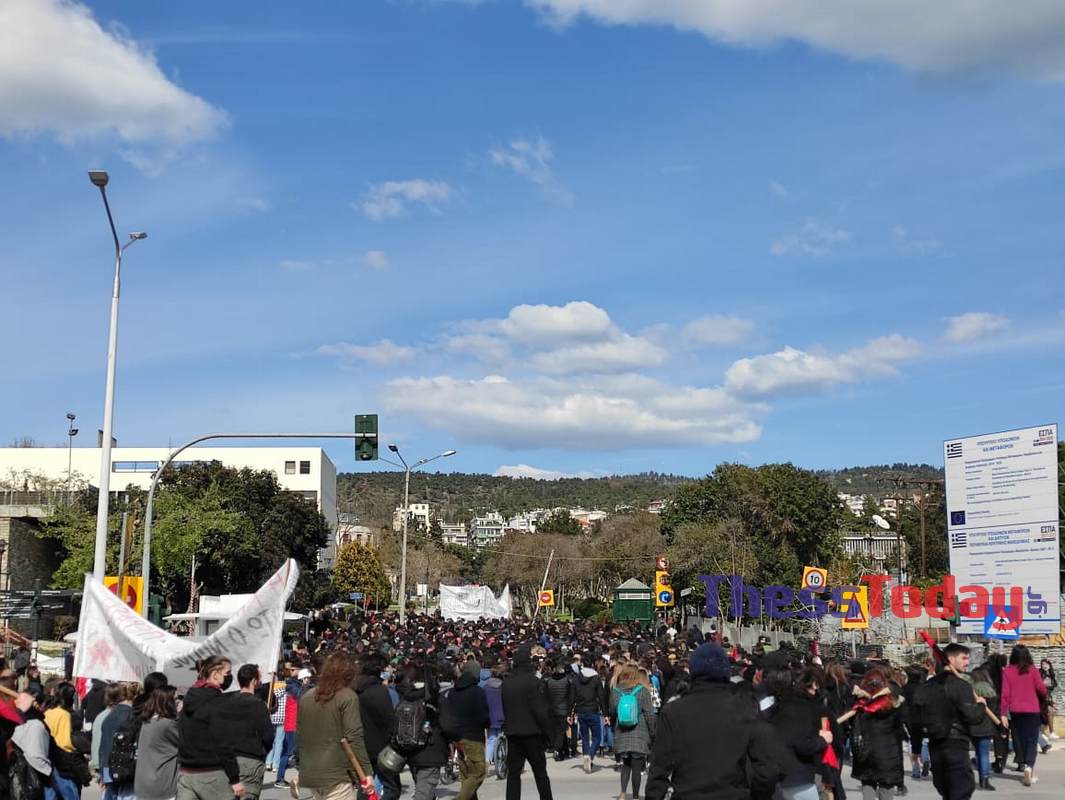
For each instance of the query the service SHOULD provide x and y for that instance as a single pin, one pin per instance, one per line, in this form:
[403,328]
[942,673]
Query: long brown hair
[160,703]
[629,675]
[337,673]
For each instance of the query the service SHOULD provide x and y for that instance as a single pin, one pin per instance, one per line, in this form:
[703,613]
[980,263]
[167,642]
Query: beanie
[472,668]
[710,661]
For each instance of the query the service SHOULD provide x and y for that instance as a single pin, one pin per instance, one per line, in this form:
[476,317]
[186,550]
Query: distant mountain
[876,480]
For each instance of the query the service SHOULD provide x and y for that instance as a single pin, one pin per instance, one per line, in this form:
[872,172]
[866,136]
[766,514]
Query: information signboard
[1002,521]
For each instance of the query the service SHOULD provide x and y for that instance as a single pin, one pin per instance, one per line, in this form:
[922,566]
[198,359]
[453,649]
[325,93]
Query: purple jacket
[493,689]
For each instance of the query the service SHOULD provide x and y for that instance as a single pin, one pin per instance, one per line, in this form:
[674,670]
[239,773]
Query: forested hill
[458,497]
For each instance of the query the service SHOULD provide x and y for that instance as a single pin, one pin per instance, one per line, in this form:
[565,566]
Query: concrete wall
[26,559]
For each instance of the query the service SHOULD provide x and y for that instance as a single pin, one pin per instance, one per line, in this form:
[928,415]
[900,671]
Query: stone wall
[27,559]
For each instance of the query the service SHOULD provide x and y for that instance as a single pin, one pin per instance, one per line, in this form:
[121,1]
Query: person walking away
[795,715]
[426,751]
[878,731]
[527,724]
[561,695]
[247,716]
[493,691]
[157,747]
[277,717]
[735,766]
[328,713]
[948,710]
[293,690]
[467,711]
[916,675]
[112,695]
[984,731]
[1022,691]
[70,771]
[1050,681]
[632,713]
[589,705]
[207,761]
[996,665]
[31,765]
[378,719]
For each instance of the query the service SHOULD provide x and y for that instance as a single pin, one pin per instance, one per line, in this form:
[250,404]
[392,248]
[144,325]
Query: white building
[307,471]
[526,523]
[348,531]
[486,531]
[454,533]
[420,514]
[854,502]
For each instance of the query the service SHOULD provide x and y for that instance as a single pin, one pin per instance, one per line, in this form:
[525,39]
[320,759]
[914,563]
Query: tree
[357,569]
[625,546]
[936,552]
[559,522]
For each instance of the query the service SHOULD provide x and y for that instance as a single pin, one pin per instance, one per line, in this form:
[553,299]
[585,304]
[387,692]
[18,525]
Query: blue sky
[574,236]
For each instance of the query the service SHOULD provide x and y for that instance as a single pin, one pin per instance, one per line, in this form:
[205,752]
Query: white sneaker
[1027,779]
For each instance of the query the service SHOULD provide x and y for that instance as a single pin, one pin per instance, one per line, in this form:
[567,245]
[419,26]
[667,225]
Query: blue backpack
[629,708]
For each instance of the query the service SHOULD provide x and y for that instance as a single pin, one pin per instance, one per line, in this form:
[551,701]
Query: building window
[134,466]
[290,467]
[305,468]
[312,496]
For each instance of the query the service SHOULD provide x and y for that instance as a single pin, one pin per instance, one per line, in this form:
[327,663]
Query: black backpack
[932,709]
[123,760]
[412,725]
[24,782]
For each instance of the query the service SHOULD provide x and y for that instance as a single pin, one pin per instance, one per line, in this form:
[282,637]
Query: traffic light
[663,590]
[366,437]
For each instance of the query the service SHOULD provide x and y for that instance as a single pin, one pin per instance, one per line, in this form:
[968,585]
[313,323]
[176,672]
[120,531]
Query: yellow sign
[132,593]
[547,598]
[663,590]
[856,608]
[814,578]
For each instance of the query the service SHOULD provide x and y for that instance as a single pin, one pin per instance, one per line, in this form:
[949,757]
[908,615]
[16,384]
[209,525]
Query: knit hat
[472,668]
[522,656]
[710,661]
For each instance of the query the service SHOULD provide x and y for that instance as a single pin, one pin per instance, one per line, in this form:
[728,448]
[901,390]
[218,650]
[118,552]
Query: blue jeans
[983,756]
[490,748]
[61,788]
[287,746]
[274,756]
[591,728]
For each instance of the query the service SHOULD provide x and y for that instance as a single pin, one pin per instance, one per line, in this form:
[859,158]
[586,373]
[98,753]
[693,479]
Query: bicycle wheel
[500,757]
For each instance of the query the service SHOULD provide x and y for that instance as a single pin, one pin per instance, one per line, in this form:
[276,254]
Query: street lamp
[71,433]
[99,179]
[407,470]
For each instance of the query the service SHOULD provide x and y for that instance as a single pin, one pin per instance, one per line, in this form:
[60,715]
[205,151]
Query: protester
[795,716]
[493,691]
[467,707]
[1022,691]
[879,721]
[632,715]
[1050,682]
[527,724]
[120,719]
[561,696]
[378,719]
[739,765]
[34,769]
[329,712]
[206,753]
[247,717]
[589,706]
[157,747]
[112,695]
[293,691]
[948,711]
[277,716]
[916,675]
[984,731]
[426,754]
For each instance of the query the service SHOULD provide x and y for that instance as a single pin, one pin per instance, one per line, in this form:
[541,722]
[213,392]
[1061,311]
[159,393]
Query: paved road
[570,783]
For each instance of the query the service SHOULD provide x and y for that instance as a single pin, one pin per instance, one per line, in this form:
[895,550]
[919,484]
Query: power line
[568,558]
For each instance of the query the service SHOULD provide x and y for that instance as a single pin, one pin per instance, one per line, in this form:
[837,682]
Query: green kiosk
[633,602]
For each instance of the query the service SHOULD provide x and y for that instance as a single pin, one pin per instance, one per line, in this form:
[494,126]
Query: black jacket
[796,722]
[433,754]
[249,720]
[882,764]
[466,710]
[737,766]
[208,738]
[955,703]
[561,694]
[525,704]
[591,692]
[378,714]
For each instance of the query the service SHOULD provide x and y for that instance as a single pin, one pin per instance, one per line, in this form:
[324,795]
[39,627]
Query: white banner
[116,644]
[471,603]
[1002,519]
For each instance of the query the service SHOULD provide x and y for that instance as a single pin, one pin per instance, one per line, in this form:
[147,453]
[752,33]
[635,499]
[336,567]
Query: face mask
[227,681]
[386,675]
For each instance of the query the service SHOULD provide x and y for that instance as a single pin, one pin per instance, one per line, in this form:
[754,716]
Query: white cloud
[536,473]
[623,354]
[813,239]
[382,353]
[530,158]
[779,190]
[718,330]
[569,415]
[539,324]
[946,36]
[974,325]
[375,259]
[291,265]
[484,347]
[914,246]
[62,74]
[390,199]
[791,370]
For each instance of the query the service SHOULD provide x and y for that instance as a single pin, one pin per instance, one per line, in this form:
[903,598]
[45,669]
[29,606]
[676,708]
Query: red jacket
[292,708]
[1021,693]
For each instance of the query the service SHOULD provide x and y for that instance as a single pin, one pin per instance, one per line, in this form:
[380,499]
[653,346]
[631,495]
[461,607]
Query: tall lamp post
[71,433]
[99,179]
[407,470]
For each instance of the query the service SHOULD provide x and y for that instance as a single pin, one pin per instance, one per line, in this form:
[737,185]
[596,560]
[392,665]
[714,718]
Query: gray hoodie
[157,760]
[32,739]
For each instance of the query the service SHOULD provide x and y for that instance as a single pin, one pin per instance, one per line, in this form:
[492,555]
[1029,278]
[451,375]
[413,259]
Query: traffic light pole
[146,557]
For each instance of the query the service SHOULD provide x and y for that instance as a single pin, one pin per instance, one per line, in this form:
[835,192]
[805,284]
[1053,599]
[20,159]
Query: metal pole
[70,456]
[403,557]
[543,585]
[122,555]
[36,619]
[146,556]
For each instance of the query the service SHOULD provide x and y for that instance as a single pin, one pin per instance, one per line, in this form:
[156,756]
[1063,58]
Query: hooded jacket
[207,739]
[525,703]
[378,713]
[561,694]
[433,754]
[466,710]
[591,694]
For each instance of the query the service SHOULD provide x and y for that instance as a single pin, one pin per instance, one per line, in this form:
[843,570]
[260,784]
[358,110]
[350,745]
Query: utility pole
[543,585]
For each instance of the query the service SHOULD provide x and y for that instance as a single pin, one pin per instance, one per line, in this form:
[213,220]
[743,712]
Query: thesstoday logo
[944,600]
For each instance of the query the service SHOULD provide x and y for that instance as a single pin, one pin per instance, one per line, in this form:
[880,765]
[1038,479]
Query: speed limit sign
[815,579]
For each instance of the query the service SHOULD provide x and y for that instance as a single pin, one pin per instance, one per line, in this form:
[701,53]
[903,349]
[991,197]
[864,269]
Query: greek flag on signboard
[959,539]
[954,450]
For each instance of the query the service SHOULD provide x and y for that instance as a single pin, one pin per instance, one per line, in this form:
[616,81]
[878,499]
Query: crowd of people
[362,704]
